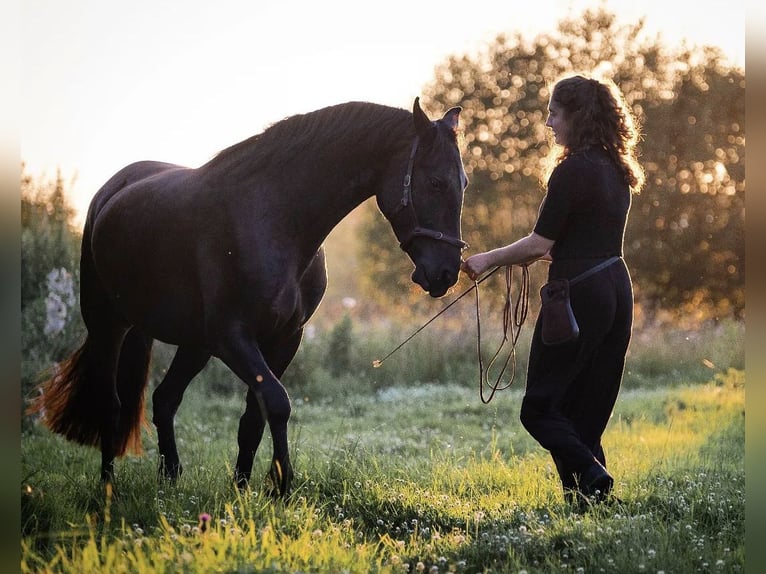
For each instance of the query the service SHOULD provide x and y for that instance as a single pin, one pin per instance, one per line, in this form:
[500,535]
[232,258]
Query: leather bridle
[412,225]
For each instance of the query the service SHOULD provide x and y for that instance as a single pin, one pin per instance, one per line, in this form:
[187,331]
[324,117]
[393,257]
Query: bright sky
[105,84]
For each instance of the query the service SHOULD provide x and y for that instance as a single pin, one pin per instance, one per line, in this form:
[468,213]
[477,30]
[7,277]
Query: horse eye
[436,182]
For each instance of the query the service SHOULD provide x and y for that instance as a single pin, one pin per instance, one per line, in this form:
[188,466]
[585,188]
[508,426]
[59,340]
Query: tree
[685,240]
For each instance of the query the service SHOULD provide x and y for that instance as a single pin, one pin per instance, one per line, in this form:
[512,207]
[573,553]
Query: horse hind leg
[80,400]
[186,364]
[95,400]
[124,415]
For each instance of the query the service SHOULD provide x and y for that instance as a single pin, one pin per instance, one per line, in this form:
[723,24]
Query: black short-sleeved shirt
[585,208]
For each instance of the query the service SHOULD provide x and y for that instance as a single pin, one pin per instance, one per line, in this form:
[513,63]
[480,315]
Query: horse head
[425,216]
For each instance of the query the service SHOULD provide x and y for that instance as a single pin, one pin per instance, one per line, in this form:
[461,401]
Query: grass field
[423,478]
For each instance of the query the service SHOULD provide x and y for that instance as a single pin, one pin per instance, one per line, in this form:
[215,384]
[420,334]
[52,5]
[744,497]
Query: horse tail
[71,402]
[68,402]
[75,400]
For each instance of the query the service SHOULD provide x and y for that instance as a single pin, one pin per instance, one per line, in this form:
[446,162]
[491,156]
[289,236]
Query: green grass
[418,479]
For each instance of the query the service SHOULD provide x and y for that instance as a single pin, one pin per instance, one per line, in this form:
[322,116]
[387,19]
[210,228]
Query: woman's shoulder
[579,161]
[573,163]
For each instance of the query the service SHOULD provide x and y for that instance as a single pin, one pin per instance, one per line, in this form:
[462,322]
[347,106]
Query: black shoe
[596,481]
[576,501]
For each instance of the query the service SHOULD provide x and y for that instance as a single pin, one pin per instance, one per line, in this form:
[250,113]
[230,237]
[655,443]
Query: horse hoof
[171,473]
[242,480]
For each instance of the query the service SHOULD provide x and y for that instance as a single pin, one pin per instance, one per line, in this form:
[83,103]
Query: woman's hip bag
[559,324]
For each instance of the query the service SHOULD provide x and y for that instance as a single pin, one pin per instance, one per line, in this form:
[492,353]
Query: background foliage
[685,240]
[51,325]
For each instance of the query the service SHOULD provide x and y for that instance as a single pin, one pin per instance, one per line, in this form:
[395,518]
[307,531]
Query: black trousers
[572,388]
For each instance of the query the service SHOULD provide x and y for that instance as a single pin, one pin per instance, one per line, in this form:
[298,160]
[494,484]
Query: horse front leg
[186,365]
[251,426]
[267,402]
[273,405]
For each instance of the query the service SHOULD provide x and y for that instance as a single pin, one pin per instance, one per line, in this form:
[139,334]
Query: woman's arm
[525,250]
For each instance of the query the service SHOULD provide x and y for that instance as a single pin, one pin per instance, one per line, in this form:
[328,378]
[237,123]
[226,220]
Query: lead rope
[378,362]
[513,318]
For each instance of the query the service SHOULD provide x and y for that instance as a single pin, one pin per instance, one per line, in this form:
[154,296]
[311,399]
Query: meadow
[403,469]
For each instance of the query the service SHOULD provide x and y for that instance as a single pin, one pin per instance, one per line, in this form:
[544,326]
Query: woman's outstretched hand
[475,266]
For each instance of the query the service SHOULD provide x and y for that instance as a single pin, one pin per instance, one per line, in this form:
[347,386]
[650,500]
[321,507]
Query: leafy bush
[50,284]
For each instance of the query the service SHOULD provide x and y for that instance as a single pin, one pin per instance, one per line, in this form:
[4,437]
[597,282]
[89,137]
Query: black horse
[226,260]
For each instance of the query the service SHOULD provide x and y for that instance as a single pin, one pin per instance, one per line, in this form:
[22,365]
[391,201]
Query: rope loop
[514,315]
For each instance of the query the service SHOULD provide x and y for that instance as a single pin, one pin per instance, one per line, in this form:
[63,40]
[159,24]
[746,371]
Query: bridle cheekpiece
[415,229]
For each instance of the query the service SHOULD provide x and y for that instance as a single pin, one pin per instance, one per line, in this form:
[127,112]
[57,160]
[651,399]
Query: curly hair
[597,115]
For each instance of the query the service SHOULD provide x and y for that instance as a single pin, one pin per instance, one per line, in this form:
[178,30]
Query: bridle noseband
[414,228]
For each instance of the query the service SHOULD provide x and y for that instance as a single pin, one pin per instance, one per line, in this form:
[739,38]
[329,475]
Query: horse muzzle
[437,282]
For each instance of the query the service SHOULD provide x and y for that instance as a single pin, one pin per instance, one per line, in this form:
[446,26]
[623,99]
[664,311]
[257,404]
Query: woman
[572,388]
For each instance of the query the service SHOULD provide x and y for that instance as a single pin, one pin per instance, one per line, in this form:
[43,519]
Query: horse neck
[330,193]
[313,191]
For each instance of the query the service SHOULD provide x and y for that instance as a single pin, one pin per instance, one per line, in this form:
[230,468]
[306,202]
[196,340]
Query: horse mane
[352,128]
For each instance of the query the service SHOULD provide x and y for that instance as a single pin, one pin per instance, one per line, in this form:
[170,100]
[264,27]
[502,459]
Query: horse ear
[422,123]
[451,117]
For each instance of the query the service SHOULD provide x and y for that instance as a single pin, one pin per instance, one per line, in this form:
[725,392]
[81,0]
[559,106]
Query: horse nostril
[448,277]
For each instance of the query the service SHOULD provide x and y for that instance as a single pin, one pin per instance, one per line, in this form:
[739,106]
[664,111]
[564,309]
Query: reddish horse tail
[79,400]
[73,402]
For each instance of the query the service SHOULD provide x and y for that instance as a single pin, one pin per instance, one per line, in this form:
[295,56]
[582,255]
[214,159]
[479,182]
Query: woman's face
[557,122]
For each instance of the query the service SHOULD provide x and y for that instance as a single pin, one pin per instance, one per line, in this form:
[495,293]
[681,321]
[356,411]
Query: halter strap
[407,197]
[417,230]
